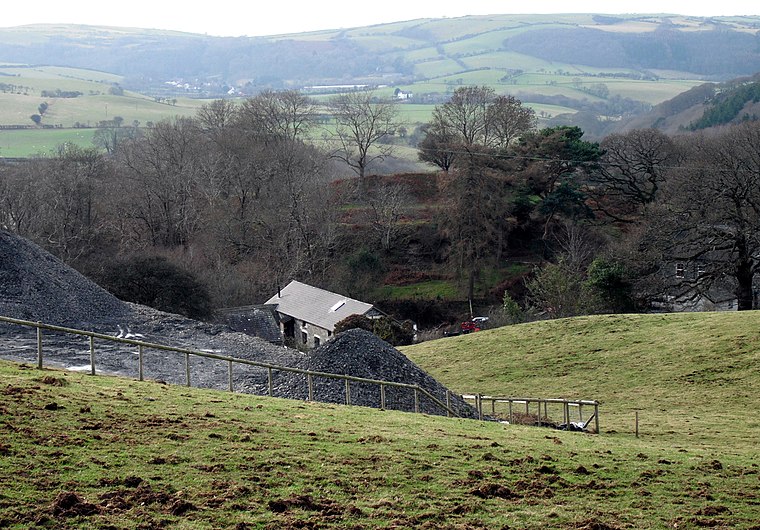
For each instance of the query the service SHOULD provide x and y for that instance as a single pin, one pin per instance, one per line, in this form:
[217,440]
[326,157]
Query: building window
[680,270]
[304,337]
[316,341]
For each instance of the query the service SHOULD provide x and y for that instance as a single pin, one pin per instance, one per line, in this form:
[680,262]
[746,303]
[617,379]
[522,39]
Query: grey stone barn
[308,314]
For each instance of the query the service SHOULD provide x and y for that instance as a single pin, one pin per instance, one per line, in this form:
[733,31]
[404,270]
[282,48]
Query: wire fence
[508,408]
[538,411]
[271,369]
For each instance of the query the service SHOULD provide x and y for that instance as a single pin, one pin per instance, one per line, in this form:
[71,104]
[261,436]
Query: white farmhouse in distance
[400,94]
[308,314]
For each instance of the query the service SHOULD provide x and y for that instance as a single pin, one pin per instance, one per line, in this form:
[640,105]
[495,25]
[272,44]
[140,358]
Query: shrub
[354,322]
[512,310]
[386,328]
[156,282]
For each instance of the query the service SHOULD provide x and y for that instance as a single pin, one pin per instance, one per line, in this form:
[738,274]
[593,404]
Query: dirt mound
[71,504]
[359,353]
[35,285]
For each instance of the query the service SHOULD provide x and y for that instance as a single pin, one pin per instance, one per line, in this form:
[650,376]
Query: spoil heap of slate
[359,353]
[35,285]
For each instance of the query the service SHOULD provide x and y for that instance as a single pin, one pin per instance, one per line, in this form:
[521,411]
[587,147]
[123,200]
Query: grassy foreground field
[78,451]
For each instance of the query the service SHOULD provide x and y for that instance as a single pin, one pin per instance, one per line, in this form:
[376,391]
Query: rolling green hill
[691,375]
[82,452]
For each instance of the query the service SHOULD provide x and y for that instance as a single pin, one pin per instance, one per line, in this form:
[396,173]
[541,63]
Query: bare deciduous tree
[439,146]
[387,203]
[632,168]
[361,121]
[161,172]
[285,115]
[508,120]
[709,212]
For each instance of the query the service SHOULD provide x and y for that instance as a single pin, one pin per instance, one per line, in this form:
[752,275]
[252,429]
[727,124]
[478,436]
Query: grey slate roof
[317,306]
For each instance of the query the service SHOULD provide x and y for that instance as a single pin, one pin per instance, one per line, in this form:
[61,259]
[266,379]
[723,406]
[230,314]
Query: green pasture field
[550,111]
[651,92]
[437,68]
[130,107]
[93,106]
[427,290]
[99,452]
[487,40]
[504,60]
[448,289]
[420,55]
[35,79]
[450,29]
[80,75]
[692,376]
[95,103]
[411,114]
[43,142]
[476,77]
[383,42]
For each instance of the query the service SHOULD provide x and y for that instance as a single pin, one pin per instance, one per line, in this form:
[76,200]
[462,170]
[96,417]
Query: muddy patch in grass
[304,502]
[71,504]
[492,490]
[135,492]
[53,381]
[592,524]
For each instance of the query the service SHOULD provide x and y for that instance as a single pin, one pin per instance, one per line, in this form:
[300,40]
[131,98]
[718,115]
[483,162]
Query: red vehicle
[469,326]
[476,324]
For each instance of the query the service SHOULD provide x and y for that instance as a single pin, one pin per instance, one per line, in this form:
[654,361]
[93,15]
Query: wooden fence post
[39,347]
[140,362]
[382,396]
[92,355]
[187,369]
[348,392]
[269,381]
[416,400]
[637,424]
[310,383]
[510,412]
[229,377]
[448,404]
[596,417]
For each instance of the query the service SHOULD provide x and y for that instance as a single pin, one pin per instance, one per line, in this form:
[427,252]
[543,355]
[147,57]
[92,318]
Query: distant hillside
[593,71]
[704,106]
[716,50]
[446,51]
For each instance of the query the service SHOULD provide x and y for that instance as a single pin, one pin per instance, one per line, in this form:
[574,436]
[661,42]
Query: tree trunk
[744,286]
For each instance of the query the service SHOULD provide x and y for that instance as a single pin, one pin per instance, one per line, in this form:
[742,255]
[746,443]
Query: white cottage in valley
[308,314]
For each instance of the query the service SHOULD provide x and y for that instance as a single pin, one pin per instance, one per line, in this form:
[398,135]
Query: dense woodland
[220,209]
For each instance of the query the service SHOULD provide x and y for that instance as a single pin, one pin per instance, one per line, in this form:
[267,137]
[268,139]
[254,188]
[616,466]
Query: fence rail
[188,353]
[540,403]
